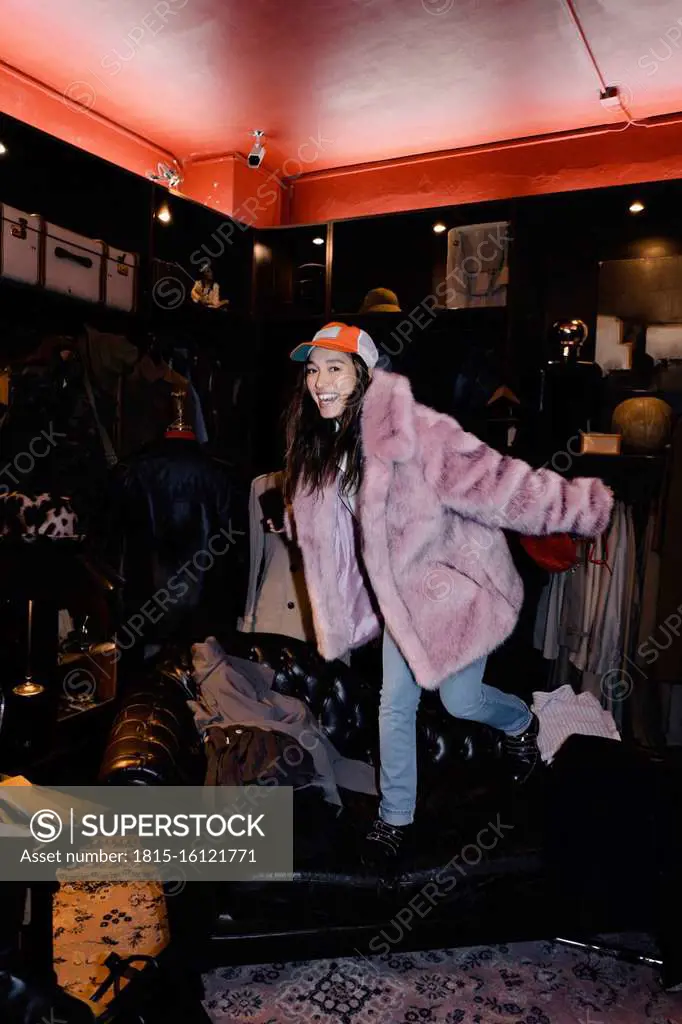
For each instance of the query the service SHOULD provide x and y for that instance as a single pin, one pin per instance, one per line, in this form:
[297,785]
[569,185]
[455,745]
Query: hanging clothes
[147,405]
[615,583]
[593,577]
[199,423]
[571,614]
[584,621]
[547,635]
[650,699]
[108,357]
[631,616]
[277,600]
[667,667]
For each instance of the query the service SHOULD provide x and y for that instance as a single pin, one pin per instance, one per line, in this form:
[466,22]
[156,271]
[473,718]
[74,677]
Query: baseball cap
[340,338]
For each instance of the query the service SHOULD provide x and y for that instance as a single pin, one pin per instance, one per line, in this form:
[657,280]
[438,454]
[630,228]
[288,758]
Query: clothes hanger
[503,392]
[172,376]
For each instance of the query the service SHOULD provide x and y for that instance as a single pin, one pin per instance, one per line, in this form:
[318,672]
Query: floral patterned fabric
[528,983]
[93,918]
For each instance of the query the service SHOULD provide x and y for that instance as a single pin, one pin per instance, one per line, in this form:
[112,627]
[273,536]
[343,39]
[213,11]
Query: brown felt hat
[380,300]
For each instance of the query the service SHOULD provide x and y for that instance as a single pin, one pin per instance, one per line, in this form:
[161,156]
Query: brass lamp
[29,687]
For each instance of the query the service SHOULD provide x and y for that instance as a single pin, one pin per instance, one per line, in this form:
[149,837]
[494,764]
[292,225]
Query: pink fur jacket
[432,506]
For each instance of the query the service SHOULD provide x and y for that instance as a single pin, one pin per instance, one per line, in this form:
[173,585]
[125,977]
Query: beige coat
[277,599]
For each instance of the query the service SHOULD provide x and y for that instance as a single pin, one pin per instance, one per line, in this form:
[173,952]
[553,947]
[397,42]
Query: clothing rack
[586,608]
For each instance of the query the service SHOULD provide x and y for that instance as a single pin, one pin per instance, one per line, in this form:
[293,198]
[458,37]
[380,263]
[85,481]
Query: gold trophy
[180,424]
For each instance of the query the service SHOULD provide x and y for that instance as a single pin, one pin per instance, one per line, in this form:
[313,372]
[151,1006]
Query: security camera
[257,154]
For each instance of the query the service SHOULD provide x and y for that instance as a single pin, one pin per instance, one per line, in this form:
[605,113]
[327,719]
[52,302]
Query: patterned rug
[525,983]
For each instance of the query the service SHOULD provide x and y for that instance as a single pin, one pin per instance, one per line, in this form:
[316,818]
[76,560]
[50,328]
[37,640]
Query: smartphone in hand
[272,507]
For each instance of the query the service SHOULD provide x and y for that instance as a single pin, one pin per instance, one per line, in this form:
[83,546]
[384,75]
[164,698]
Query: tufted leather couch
[492,863]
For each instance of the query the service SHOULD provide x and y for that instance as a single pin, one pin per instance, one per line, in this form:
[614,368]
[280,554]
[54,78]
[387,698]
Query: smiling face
[331,378]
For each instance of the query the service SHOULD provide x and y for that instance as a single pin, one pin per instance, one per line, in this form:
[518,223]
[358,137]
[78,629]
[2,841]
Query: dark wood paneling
[648,289]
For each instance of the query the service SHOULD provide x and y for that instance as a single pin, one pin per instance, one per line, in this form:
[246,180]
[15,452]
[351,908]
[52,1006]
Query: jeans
[464,695]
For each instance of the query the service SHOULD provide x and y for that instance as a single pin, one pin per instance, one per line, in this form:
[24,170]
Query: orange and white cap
[340,338]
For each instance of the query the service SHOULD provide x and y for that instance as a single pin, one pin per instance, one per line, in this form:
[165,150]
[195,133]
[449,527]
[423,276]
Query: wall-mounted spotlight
[318,240]
[3,148]
[257,154]
[261,253]
[636,207]
[439,227]
[164,215]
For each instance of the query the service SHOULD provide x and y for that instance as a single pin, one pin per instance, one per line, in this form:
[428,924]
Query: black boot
[523,751]
[384,844]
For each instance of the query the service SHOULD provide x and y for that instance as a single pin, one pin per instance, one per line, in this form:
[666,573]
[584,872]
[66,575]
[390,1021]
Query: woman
[399,515]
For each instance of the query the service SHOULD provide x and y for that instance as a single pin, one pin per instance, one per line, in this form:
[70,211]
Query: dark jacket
[181,546]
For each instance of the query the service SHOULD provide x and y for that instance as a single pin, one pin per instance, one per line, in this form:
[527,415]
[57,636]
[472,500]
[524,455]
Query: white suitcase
[73,264]
[120,281]
[20,245]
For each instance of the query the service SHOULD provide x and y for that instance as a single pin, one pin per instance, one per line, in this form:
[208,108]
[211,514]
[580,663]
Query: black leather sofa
[586,847]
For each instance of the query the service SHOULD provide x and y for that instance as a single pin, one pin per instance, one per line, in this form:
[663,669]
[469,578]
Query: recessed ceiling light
[164,215]
[439,228]
[636,207]
[3,148]
[318,240]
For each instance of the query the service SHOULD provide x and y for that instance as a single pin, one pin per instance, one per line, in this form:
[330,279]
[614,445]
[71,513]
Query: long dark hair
[316,447]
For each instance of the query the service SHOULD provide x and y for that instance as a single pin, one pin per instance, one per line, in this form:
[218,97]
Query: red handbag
[557,552]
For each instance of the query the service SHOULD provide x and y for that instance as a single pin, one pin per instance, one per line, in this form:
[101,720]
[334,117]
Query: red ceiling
[333,82]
